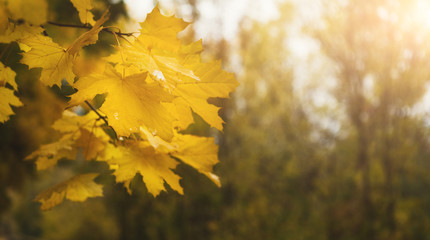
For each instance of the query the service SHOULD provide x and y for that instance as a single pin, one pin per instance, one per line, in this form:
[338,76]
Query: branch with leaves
[151,86]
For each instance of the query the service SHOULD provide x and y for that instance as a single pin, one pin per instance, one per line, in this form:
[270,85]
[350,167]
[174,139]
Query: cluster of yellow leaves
[152,84]
[55,61]
[154,161]
[78,133]
[151,156]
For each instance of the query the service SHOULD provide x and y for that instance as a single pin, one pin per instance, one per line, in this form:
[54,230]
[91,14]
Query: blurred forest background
[327,137]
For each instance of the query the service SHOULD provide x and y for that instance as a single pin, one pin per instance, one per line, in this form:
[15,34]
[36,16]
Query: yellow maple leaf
[157,50]
[178,68]
[7,75]
[55,61]
[7,96]
[155,141]
[130,103]
[84,9]
[181,111]
[162,30]
[15,32]
[200,153]
[84,66]
[152,158]
[89,37]
[48,155]
[214,82]
[138,157]
[78,132]
[34,12]
[91,145]
[78,189]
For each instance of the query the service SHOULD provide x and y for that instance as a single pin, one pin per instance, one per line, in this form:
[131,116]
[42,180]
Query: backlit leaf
[7,75]
[78,132]
[84,7]
[214,82]
[130,102]
[77,189]
[156,50]
[178,68]
[55,61]
[138,157]
[7,98]
[200,153]
[16,32]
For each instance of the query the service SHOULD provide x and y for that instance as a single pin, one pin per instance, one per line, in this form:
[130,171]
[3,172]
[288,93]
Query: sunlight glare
[421,13]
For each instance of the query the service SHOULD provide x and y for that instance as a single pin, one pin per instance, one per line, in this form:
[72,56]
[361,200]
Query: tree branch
[69,25]
[89,27]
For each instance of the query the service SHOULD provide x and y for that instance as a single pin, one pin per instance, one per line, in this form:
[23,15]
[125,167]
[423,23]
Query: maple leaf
[200,153]
[91,145]
[88,135]
[178,68]
[181,111]
[214,82]
[152,158]
[89,37]
[78,188]
[7,96]
[84,66]
[84,9]
[130,102]
[55,61]
[155,141]
[78,132]
[23,9]
[48,155]
[156,50]
[7,75]
[139,157]
[164,28]
[15,32]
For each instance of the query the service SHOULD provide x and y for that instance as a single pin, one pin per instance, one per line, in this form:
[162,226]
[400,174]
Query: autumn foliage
[149,89]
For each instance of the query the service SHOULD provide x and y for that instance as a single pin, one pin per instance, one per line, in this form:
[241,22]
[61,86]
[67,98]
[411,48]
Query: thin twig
[101,117]
[98,114]
[89,27]
[118,33]
[69,25]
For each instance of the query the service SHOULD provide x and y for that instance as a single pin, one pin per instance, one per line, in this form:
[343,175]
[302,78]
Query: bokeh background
[327,136]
